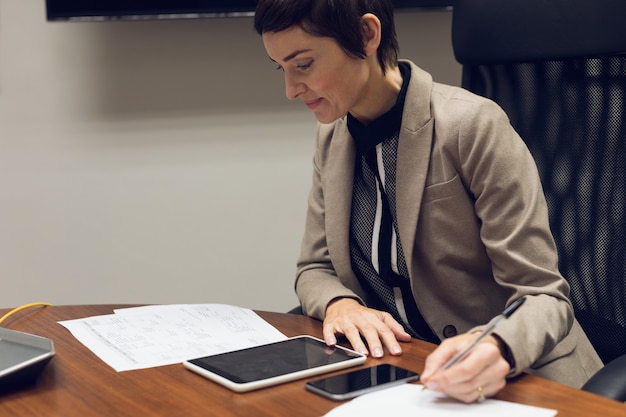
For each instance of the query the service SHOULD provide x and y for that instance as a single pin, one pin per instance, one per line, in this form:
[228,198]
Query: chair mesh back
[571,115]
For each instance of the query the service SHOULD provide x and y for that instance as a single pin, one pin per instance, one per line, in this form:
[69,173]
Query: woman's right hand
[364,328]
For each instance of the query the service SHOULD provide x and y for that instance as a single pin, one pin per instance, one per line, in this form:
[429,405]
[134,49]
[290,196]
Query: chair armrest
[610,381]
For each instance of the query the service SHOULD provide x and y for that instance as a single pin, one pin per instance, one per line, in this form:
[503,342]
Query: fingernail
[396,350]
[433,385]
[378,352]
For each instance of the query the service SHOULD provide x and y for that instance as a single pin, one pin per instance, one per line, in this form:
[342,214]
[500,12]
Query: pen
[488,330]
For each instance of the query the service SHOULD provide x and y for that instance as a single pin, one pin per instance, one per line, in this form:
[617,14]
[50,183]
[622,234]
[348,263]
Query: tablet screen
[297,357]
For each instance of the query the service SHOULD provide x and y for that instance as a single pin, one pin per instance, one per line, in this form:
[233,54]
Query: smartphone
[355,383]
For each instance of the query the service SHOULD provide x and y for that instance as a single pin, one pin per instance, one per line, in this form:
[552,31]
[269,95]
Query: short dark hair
[337,19]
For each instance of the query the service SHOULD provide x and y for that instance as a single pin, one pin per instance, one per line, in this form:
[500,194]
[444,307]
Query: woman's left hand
[482,373]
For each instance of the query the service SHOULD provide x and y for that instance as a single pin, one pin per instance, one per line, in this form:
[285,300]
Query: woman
[426,216]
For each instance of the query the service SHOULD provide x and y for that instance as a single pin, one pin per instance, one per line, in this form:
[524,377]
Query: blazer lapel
[414,150]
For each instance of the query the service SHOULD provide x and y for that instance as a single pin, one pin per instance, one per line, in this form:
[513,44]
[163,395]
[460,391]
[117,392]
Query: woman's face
[318,72]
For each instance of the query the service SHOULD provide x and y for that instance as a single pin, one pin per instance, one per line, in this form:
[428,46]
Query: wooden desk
[77,383]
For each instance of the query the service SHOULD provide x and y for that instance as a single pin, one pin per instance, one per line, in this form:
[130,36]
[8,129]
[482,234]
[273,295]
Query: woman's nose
[293,87]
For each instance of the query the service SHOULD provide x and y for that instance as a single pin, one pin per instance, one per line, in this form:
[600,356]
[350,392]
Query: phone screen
[352,384]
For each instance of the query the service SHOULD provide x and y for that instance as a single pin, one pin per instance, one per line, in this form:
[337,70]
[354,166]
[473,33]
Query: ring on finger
[481,395]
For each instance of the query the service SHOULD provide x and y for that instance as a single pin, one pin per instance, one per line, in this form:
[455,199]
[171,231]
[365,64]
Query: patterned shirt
[375,246]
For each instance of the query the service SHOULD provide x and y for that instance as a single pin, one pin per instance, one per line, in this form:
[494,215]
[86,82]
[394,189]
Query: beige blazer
[473,224]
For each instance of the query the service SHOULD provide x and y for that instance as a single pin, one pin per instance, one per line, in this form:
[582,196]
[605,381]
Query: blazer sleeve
[317,280]
[501,174]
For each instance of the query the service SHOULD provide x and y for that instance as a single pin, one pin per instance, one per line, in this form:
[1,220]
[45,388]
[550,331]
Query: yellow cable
[20,308]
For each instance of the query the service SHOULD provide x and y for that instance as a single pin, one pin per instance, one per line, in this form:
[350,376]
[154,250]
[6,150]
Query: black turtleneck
[383,127]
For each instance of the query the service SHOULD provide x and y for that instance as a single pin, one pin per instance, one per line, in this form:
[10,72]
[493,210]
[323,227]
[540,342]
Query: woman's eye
[306,65]
[303,66]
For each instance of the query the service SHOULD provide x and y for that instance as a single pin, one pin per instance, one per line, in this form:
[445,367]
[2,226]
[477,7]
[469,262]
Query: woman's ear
[371,33]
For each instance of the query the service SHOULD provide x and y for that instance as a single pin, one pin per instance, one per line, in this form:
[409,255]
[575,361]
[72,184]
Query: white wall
[157,162]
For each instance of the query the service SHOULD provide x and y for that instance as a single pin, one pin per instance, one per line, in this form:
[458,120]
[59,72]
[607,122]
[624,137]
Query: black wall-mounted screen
[86,10]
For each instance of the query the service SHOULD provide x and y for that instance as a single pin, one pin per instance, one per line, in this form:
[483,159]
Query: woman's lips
[312,104]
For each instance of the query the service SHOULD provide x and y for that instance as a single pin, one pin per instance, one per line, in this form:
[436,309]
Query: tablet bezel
[24,357]
[350,358]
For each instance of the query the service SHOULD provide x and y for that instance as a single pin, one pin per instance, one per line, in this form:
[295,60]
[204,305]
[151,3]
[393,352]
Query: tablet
[273,363]
[22,357]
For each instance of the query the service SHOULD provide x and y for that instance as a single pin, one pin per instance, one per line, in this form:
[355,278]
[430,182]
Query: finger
[391,333]
[467,370]
[484,367]
[474,394]
[372,335]
[329,335]
[489,383]
[382,331]
[330,329]
[466,391]
[446,350]
[369,331]
[364,334]
[354,337]
[396,328]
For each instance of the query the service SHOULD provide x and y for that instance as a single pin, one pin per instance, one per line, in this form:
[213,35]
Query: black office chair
[558,68]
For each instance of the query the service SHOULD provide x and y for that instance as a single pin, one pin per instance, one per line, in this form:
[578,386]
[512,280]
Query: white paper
[144,337]
[411,400]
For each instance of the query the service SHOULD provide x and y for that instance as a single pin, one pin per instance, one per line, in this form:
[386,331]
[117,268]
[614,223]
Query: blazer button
[449,331]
